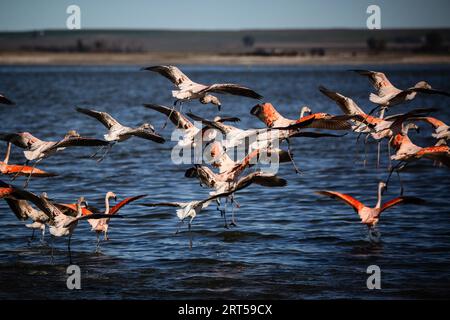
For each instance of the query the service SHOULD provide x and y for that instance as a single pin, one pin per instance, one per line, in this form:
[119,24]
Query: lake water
[289,243]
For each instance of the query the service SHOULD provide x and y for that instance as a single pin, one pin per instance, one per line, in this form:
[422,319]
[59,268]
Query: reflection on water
[289,243]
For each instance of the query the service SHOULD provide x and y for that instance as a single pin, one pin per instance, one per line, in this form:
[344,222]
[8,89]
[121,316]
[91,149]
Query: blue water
[289,242]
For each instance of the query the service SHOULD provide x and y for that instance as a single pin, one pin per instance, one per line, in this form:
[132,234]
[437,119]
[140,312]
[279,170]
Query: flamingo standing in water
[13,169]
[188,89]
[5,100]
[371,216]
[388,95]
[101,225]
[36,150]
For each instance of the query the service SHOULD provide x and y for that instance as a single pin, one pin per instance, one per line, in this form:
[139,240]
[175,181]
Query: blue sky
[220,15]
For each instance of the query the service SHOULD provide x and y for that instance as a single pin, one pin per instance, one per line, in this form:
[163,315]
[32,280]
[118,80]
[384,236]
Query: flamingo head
[211,99]
[111,194]
[305,110]
[72,134]
[148,126]
[422,85]
[265,112]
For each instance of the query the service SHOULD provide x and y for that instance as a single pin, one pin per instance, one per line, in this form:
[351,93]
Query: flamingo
[193,208]
[371,216]
[188,89]
[118,132]
[101,225]
[5,100]
[388,95]
[407,151]
[19,202]
[190,133]
[441,130]
[375,127]
[36,150]
[268,114]
[61,225]
[13,169]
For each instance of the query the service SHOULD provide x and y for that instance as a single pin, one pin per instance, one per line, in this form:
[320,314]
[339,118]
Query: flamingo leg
[365,149]
[20,171]
[70,251]
[233,221]
[291,157]
[97,152]
[179,224]
[108,149]
[51,247]
[97,246]
[378,153]
[389,155]
[43,235]
[223,212]
[31,173]
[190,235]
[30,240]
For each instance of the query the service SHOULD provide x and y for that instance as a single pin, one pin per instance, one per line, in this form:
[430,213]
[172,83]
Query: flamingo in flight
[6,101]
[270,116]
[13,169]
[19,202]
[188,89]
[118,132]
[102,225]
[36,150]
[64,222]
[259,138]
[441,130]
[375,127]
[190,133]
[407,151]
[371,216]
[387,95]
[193,208]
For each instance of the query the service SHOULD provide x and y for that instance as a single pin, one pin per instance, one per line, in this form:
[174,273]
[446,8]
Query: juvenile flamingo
[387,95]
[36,150]
[192,209]
[371,216]
[188,89]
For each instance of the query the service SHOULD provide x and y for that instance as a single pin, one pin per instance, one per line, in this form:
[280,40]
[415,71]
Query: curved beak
[256,110]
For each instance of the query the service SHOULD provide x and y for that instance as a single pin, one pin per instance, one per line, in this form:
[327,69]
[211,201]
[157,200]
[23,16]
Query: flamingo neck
[107,203]
[8,152]
[79,210]
[380,188]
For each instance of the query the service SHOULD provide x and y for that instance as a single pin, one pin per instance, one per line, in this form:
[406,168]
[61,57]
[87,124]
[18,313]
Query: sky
[20,15]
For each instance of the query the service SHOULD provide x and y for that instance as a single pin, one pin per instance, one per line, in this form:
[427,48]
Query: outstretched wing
[208,123]
[177,118]
[172,73]
[379,81]
[103,117]
[347,105]
[233,89]
[355,204]
[15,206]
[91,216]
[402,200]
[148,135]
[163,204]
[5,100]
[78,142]
[124,202]
[21,139]
[429,91]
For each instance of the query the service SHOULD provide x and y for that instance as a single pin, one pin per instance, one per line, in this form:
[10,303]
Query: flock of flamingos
[224,175]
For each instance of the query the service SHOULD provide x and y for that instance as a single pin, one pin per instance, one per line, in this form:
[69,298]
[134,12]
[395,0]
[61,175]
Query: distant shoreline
[44,58]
